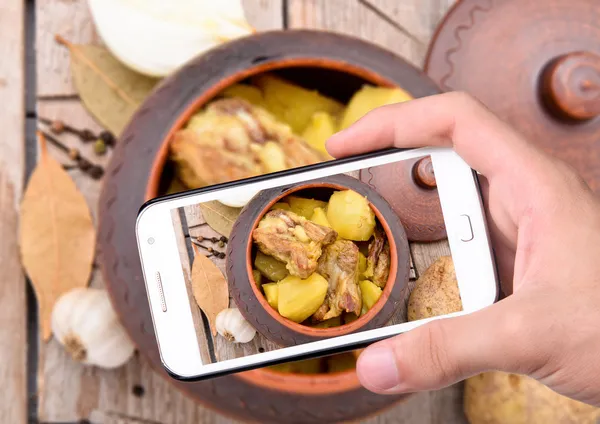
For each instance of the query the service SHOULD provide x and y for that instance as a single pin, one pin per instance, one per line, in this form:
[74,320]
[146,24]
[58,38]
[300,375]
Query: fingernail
[377,368]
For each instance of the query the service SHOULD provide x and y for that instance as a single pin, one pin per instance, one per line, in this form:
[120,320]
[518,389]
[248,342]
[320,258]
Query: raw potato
[319,216]
[351,216]
[257,277]
[502,398]
[368,98]
[436,292]
[321,126]
[272,294]
[299,299]
[304,207]
[247,92]
[293,104]
[370,295]
[269,267]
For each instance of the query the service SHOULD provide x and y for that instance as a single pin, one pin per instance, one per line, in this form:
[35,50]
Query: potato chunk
[298,298]
[351,216]
[321,126]
[370,295]
[269,267]
[304,207]
[319,216]
[272,294]
[248,92]
[293,104]
[368,98]
[362,264]
[281,205]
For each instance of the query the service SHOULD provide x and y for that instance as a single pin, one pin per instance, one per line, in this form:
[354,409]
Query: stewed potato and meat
[310,266]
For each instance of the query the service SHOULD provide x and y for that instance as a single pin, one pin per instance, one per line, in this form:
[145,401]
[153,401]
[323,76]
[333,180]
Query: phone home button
[466,229]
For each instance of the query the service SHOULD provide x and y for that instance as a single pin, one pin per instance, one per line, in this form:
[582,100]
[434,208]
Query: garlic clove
[233,327]
[84,322]
[155,37]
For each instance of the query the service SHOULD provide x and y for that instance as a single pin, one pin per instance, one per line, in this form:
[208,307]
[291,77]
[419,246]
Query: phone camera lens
[151,240]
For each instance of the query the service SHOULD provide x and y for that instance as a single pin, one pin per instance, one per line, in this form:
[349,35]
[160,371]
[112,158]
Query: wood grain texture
[72,20]
[355,18]
[69,392]
[418,18]
[13,333]
[264,15]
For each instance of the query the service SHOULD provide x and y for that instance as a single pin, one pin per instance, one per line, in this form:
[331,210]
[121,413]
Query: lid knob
[571,86]
[423,173]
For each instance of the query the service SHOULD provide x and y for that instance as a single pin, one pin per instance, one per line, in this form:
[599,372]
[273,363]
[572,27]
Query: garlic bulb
[84,322]
[232,325]
[155,37]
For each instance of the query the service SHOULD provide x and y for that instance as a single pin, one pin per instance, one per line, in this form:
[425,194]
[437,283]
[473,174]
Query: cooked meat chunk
[339,265]
[378,259]
[292,239]
[232,139]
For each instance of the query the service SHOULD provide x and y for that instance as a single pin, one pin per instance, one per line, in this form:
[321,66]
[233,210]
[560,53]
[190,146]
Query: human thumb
[443,352]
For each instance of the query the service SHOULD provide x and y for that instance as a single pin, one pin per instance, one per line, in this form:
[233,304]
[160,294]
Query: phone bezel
[458,189]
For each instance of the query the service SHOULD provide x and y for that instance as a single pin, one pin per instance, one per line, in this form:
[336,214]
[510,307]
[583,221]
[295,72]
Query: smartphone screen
[311,260]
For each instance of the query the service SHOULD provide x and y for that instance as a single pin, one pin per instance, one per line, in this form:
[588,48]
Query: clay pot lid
[410,188]
[534,63]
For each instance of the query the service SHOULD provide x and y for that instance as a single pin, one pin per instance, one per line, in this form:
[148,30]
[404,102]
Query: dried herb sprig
[87,136]
[91,169]
[209,249]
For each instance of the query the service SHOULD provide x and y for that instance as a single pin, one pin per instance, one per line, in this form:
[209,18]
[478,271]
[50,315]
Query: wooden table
[39,379]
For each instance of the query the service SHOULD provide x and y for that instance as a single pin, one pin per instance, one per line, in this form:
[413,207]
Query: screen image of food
[304,262]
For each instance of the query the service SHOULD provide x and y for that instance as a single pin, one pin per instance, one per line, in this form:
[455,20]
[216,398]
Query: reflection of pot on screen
[301,264]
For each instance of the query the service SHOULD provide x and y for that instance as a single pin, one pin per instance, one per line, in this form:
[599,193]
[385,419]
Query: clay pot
[253,304]
[334,64]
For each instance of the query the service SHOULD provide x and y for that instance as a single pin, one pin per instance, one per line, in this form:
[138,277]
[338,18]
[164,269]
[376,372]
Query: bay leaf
[57,237]
[109,90]
[219,216]
[210,288]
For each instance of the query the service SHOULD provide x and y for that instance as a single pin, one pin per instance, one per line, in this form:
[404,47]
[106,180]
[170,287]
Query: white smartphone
[316,262]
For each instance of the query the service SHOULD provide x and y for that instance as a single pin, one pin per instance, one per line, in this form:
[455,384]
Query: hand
[545,228]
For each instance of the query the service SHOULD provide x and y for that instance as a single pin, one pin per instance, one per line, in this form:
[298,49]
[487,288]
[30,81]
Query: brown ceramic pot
[336,65]
[254,306]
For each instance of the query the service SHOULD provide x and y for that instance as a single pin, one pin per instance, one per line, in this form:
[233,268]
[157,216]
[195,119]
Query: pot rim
[160,160]
[344,328]
[314,383]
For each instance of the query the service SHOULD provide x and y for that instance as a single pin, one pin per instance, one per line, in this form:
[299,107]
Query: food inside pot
[265,125]
[312,270]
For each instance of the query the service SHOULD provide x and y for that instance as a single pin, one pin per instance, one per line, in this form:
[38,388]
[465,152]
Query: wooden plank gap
[383,16]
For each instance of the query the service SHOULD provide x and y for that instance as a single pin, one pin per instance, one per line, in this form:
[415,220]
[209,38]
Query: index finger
[455,120]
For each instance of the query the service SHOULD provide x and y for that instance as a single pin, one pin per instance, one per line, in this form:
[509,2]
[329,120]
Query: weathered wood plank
[13,332]
[264,15]
[355,18]
[70,392]
[72,20]
[417,18]
[186,266]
